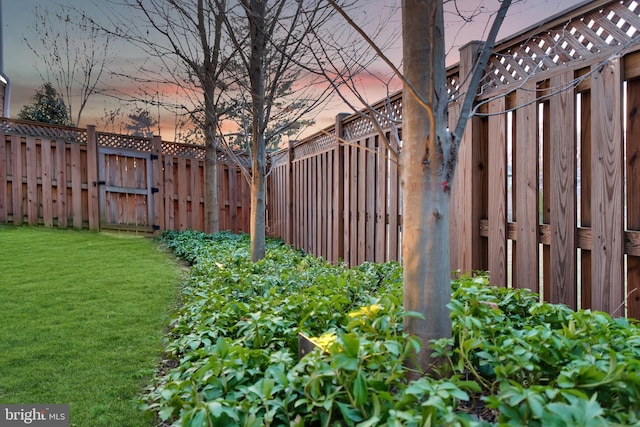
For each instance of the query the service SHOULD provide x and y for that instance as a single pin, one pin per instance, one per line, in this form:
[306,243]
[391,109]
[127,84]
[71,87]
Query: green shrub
[232,349]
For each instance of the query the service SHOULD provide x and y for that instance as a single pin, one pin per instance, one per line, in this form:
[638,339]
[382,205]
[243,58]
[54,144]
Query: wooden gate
[125,189]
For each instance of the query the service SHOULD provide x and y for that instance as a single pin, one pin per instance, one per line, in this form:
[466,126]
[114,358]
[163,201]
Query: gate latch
[96,183]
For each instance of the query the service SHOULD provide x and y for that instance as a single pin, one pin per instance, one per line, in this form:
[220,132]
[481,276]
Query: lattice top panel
[124,141]
[614,25]
[316,145]
[43,130]
[183,150]
[387,111]
[279,157]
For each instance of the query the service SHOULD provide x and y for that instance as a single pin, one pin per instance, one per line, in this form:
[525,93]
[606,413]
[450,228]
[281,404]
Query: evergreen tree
[47,106]
[141,123]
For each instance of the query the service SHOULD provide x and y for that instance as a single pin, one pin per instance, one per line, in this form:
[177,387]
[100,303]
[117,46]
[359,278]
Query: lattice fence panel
[43,131]
[113,140]
[612,26]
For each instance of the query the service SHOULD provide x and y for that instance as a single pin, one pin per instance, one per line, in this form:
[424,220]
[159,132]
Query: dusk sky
[19,61]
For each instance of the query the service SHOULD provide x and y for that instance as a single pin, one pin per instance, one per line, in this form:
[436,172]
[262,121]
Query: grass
[82,317]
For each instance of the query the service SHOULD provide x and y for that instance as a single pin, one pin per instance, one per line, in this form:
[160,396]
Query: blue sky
[19,61]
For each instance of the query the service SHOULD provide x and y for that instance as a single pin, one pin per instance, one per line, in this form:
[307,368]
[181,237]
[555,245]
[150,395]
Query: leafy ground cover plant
[232,349]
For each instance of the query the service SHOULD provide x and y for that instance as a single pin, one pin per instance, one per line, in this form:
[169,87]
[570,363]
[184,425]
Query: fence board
[32,183]
[362,201]
[353,208]
[47,185]
[526,181]
[370,206]
[607,204]
[394,203]
[633,192]
[4,194]
[16,179]
[381,203]
[183,188]
[497,245]
[545,190]
[93,189]
[158,198]
[563,195]
[61,179]
[586,282]
[169,191]
[76,185]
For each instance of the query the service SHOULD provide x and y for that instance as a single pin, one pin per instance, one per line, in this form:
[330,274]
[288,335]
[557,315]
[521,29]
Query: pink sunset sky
[20,62]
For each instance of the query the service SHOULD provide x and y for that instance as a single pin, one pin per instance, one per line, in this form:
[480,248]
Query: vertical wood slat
[193,199]
[380,203]
[4,194]
[362,201]
[394,201]
[370,204]
[312,218]
[497,246]
[456,214]
[246,202]
[76,186]
[319,185]
[633,192]
[586,282]
[198,190]
[607,201]
[32,183]
[92,179]
[353,208]
[346,208]
[563,195]
[329,206]
[47,182]
[338,203]
[545,206]
[511,103]
[233,198]
[183,182]
[526,262]
[158,197]
[169,191]
[61,179]
[289,209]
[16,180]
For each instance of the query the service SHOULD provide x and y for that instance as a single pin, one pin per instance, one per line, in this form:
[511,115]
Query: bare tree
[73,54]
[427,159]
[188,50]
[273,92]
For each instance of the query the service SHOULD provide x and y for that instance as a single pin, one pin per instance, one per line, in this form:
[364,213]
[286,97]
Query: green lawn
[82,318]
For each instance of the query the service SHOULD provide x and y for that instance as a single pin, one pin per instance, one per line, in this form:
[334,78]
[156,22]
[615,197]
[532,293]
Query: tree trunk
[211,186]
[258,204]
[425,161]
[256,12]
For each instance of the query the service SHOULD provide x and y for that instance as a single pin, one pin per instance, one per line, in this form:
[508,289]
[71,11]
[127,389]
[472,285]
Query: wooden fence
[67,177]
[546,194]
[547,189]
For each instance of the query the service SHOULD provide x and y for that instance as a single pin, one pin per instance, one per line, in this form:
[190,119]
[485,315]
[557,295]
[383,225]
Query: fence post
[466,192]
[158,180]
[92,178]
